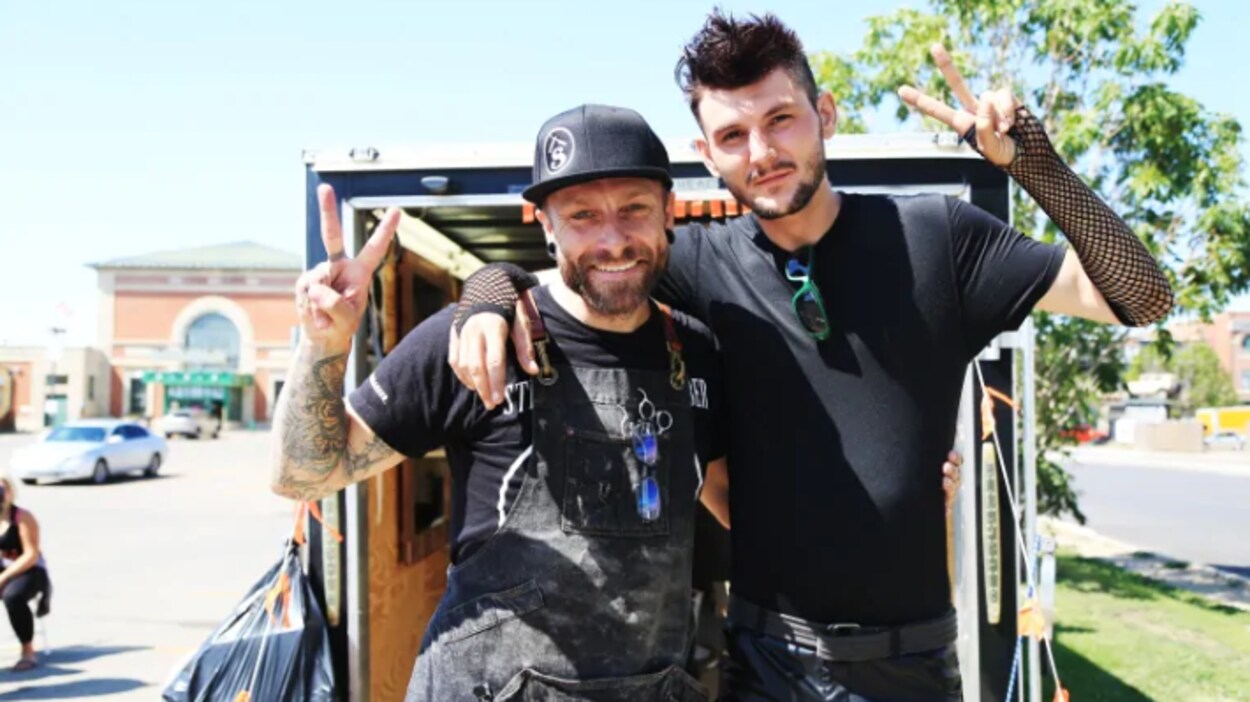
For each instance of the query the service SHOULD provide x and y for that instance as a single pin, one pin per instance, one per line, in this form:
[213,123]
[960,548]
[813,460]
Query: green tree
[1096,75]
[1204,382]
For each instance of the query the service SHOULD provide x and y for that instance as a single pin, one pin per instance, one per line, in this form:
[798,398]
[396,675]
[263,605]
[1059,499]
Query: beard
[616,298]
[810,178]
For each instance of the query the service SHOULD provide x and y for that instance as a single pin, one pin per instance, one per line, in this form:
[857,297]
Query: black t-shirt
[835,447]
[414,403]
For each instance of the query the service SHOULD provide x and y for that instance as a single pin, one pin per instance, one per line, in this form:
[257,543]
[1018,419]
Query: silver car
[1225,439]
[94,449]
[191,423]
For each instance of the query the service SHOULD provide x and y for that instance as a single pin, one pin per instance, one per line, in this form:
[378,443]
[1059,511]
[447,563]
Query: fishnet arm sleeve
[1114,258]
[494,288]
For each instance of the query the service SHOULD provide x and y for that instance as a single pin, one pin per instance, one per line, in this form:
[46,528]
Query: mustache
[780,165]
[630,253]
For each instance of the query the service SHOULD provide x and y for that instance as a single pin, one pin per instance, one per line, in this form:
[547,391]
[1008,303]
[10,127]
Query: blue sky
[128,127]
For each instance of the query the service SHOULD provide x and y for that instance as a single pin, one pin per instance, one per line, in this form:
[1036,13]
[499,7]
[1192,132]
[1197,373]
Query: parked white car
[190,423]
[1225,439]
[94,449]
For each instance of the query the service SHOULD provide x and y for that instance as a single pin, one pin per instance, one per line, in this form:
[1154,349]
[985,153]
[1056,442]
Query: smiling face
[766,141]
[611,242]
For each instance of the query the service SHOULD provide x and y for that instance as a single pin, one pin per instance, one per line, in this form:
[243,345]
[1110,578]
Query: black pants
[758,668]
[17,596]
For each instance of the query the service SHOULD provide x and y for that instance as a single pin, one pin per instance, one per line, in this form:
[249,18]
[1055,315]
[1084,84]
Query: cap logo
[558,149]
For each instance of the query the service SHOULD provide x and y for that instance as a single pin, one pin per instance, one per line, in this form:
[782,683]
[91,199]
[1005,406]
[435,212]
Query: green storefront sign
[203,388]
[220,379]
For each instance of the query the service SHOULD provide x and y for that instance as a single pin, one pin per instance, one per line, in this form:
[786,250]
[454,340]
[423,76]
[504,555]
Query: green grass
[1121,637]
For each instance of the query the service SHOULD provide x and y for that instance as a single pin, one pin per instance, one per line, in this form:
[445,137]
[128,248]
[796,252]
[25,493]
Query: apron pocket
[601,474]
[488,611]
[669,685]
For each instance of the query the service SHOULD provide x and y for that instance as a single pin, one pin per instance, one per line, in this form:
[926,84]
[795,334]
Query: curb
[1216,585]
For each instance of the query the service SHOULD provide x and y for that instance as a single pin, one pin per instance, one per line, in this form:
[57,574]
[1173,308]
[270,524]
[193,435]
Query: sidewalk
[1219,586]
[1225,462]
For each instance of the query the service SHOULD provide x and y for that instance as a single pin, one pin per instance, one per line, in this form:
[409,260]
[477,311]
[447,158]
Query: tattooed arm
[320,445]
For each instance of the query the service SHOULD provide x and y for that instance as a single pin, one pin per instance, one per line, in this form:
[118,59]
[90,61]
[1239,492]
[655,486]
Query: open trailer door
[462,208]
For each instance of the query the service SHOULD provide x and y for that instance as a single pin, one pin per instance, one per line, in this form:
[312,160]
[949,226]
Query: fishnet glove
[494,288]
[1114,258]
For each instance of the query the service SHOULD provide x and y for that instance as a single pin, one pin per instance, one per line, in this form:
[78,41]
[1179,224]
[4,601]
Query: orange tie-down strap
[987,410]
[280,590]
[1031,622]
[311,507]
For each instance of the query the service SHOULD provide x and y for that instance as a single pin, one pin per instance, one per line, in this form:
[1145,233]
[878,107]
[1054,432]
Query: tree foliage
[1204,382]
[1097,75]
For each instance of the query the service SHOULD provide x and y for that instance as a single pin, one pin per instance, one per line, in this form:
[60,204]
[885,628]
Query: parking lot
[144,569]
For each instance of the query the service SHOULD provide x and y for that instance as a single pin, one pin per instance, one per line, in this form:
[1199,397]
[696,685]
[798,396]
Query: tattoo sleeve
[314,457]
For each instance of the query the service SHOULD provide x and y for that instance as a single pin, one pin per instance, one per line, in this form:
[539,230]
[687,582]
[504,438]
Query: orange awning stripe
[682,209]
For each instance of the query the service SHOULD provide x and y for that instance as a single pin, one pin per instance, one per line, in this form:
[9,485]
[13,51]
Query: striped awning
[686,209]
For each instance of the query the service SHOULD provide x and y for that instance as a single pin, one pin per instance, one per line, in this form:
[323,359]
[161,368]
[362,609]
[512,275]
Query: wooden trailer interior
[409,507]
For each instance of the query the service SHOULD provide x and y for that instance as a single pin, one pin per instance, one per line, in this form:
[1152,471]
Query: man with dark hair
[730,53]
[846,324]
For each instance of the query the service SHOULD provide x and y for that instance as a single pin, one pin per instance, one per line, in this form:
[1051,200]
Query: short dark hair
[728,53]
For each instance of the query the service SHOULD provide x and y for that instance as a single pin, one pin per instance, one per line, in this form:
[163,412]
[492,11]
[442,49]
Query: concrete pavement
[1194,507]
[144,570]
[1221,461]
[1217,585]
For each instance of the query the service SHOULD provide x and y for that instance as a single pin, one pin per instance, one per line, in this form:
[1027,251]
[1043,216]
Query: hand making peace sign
[993,115]
[331,298]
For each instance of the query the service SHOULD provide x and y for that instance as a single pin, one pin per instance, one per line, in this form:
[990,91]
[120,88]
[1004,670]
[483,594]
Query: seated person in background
[24,573]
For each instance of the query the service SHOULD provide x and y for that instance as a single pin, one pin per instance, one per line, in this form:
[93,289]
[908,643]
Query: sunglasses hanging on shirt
[807,303]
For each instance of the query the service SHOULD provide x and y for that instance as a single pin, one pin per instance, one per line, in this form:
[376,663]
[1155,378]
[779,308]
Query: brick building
[42,386]
[210,327]
[1229,334]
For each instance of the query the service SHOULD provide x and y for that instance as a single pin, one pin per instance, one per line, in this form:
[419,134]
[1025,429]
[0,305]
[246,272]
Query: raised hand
[331,298]
[992,115]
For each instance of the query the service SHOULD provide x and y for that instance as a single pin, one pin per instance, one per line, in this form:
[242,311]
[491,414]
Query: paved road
[1191,508]
[145,569]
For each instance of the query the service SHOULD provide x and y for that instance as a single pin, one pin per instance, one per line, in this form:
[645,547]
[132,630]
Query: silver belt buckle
[825,641]
[844,629]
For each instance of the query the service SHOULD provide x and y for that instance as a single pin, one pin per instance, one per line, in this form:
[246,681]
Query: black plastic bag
[273,648]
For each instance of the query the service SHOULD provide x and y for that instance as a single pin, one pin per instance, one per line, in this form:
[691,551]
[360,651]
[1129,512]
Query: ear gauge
[551,249]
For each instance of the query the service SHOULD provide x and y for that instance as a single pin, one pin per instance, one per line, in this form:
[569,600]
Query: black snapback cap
[595,141]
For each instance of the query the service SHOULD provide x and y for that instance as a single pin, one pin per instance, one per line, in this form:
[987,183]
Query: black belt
[846,642]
